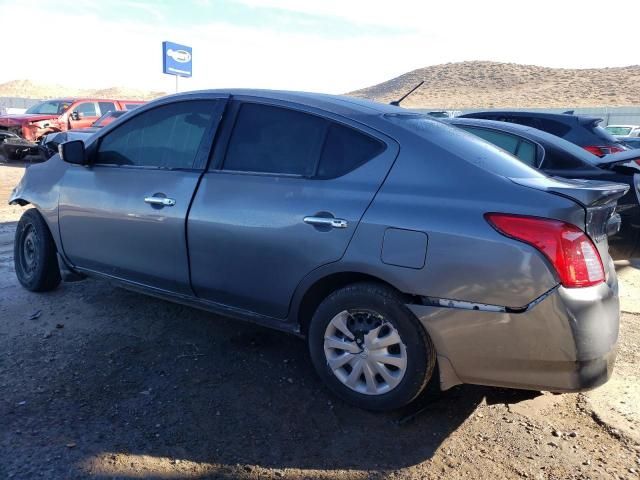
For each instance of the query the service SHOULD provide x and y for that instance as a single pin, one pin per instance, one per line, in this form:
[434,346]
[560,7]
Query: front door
[283,196]
[83,115]
[124,216]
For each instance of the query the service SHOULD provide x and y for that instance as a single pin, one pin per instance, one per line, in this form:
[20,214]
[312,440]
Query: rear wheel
[15,155]
[34,254]
[369,348]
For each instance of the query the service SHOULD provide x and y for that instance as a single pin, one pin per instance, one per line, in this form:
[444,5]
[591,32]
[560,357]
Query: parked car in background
[394,243]
[623,131]
[60,115]
[579,129]
[47,146]
[559,158]
[632,142]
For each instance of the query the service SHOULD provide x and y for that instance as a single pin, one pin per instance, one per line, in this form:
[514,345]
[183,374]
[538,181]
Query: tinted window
[556,159]
[274,140]
[131,106]
[344,150]
[106,107]
[505,141]
[87,109]
[166,137]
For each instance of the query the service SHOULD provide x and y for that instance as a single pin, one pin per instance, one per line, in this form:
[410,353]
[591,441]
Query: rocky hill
[29,89]
[498,85]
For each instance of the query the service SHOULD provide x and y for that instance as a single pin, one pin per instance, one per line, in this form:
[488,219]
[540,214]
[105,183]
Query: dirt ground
[99,382]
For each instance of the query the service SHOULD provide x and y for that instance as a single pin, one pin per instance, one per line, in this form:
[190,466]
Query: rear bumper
[564,343]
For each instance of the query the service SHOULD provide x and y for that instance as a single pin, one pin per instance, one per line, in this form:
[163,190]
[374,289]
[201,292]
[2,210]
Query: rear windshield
[468,147]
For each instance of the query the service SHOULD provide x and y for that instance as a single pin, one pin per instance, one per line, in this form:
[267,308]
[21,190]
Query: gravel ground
[99,382]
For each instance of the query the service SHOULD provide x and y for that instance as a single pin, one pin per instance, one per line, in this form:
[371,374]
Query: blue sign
[176,59]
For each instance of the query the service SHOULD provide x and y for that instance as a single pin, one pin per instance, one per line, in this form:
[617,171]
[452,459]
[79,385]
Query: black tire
[34,254]
[388,303]
[15,155]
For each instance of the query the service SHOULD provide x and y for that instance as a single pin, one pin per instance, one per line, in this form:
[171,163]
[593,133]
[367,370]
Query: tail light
[570,251]
[602,150]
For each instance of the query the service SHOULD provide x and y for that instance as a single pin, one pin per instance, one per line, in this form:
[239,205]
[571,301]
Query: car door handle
[326,222]
[162,201]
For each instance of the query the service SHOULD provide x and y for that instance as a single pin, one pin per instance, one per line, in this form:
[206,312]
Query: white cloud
[84,49]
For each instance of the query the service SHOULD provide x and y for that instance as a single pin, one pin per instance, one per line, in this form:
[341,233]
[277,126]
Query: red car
[60,115]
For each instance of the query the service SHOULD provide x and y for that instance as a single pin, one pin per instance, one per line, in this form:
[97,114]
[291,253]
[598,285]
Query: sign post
[177,60]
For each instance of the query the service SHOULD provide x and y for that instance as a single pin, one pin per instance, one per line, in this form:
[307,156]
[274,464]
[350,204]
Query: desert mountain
[29,89]
[500,85]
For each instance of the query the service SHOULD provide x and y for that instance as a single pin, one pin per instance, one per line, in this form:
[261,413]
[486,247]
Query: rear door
[124,216]
[283,196]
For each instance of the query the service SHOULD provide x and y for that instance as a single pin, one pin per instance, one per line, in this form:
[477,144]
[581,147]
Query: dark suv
[579,129]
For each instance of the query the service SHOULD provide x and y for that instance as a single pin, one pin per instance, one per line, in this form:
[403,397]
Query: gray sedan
[402,249]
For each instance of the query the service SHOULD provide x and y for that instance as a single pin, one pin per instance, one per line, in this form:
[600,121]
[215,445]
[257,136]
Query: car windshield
[52,107]
[618,130]
[470,147]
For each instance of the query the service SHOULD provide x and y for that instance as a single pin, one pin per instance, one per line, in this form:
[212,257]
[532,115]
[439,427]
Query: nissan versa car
[403,249]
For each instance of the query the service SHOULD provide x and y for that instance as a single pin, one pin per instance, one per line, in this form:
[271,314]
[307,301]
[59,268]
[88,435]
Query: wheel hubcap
[365,352]
[29,258]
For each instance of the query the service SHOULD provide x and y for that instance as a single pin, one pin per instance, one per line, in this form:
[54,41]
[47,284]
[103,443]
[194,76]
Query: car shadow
[139,376]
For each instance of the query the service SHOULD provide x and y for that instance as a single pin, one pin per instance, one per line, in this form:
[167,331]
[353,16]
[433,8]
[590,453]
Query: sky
[332,46]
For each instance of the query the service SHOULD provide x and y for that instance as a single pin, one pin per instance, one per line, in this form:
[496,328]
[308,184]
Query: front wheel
[369,348]
[34,254]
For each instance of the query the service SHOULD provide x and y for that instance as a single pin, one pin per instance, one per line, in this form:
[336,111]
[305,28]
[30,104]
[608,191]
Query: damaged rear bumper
[565,342]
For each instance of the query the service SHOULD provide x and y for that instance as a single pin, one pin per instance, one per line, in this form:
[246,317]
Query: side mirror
[73,152]
[76,115]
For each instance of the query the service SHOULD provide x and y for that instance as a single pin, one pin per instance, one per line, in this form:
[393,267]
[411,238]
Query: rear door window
[277,140]
[106,107]
[168,136]
[268,139]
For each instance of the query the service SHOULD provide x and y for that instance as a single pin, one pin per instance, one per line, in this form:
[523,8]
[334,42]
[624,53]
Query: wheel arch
[315,289]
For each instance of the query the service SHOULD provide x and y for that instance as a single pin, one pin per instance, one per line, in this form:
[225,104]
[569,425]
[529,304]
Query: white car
[623,130]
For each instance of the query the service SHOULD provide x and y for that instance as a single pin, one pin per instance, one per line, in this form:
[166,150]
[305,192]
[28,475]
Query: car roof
[89,99]
[319,100]
[524,113]
[504,126]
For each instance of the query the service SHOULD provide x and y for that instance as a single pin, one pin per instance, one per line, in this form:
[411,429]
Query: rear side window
[168,136]
[106,107]
[503,140]
[345,149]
[270,139]
[131,106]
[527,153]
